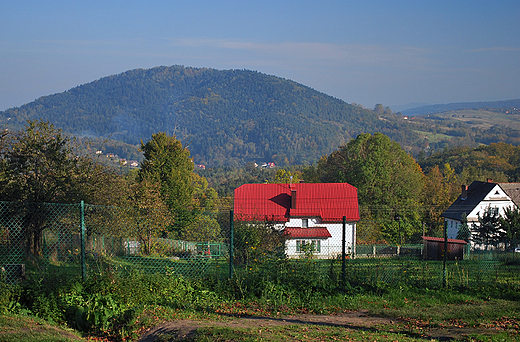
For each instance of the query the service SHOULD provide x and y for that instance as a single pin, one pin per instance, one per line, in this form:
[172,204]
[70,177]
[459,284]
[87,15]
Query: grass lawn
[21,328]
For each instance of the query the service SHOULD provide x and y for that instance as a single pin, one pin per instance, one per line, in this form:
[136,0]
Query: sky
[364,52]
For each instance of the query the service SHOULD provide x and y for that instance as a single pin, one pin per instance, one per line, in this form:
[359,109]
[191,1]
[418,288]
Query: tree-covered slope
[225,116]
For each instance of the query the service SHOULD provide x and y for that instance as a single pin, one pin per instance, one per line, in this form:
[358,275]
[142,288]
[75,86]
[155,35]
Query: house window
[299,245]
[493,211]
[313,245]
[316,246]
[305,223]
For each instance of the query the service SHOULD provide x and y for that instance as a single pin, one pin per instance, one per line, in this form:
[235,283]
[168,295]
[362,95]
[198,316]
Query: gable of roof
[476,193]
[272,202]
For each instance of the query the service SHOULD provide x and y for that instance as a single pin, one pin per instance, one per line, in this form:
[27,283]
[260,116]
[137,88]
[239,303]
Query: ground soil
[183,330]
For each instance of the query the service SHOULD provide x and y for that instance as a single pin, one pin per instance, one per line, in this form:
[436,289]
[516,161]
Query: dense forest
[232,117]
[225,117]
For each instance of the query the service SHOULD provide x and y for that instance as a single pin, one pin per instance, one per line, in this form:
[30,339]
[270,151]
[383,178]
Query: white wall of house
[452,228]
[329,247]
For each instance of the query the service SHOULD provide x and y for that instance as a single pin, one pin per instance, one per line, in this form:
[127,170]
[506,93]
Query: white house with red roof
[308,213]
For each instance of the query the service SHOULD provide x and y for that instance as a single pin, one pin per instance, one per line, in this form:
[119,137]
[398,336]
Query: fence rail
[80,238]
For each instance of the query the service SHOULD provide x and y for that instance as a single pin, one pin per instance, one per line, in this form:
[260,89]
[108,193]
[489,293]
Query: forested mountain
[227,117]
[231,117]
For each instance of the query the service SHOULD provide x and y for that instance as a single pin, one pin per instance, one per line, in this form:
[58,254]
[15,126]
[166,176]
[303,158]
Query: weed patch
[121,303]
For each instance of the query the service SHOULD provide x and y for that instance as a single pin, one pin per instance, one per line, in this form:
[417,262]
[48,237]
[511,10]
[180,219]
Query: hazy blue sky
[368,52]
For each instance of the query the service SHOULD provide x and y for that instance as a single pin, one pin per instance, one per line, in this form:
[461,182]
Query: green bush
[10,298]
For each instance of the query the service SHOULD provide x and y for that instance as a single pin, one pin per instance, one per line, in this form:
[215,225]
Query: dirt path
[184,329]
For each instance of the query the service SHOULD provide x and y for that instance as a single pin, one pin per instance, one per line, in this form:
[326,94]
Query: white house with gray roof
[476,198]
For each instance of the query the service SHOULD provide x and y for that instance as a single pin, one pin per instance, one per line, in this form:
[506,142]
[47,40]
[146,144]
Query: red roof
[272,202]
[437,239]
[309,233]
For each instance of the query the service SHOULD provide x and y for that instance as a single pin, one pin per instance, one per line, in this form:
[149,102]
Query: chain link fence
[73,240]
[77,239]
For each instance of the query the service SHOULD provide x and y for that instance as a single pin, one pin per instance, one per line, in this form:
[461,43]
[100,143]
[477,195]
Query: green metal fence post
[343,254]
[82,235]
[231,243]
[444,271]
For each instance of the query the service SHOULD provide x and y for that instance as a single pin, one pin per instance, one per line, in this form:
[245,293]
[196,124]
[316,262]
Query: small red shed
[433,248]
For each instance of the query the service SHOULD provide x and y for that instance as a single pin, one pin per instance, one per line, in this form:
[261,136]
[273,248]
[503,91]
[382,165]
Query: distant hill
[231,117]
[440,108]
[227,117]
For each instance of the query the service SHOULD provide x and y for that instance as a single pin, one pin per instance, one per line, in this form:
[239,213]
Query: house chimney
[490,180]
[293,198]
[464,193]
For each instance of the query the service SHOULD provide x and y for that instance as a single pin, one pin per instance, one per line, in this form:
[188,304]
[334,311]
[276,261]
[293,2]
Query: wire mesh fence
[74,240]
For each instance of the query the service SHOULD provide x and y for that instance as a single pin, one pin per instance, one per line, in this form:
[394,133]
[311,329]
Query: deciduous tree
[439,193]
[283,176]
[167,162]
[41,165]
[149,216]
[388,180]
[385,175]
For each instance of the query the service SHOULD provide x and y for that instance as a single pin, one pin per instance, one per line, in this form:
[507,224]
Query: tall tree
[387,178]
[41,165]
[438,195]
[389,183]
[510,225]
[487,231]
[167,162]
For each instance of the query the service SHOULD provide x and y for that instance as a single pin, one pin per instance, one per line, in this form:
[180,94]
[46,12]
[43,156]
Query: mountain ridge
[226,116]
[231,117]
